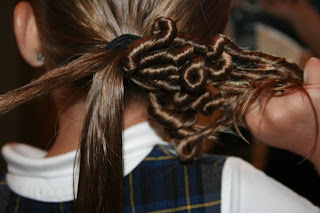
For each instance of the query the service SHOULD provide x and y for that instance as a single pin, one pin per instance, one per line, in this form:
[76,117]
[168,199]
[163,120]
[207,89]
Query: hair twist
[185,78]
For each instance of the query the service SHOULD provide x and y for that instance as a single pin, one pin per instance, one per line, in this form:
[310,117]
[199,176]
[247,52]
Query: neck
[71,111]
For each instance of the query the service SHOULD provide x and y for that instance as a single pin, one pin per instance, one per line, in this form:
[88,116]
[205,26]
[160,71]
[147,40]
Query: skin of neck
[71,111]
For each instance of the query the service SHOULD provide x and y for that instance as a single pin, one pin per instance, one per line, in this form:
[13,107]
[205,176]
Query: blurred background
[287,28]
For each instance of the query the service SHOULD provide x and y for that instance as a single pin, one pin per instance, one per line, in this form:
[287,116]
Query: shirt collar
[32,175]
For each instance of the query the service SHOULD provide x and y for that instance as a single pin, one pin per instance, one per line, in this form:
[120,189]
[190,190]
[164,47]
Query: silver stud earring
[41,57]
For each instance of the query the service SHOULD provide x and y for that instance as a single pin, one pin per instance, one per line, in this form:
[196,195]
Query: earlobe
[27,34]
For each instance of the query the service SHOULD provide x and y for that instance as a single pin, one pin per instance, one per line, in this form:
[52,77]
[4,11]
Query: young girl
[112,65]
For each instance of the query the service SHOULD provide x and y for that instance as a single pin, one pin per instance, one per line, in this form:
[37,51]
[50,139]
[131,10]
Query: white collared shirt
[244,188]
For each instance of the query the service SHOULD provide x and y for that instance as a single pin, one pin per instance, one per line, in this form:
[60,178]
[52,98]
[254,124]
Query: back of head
[70,28]
[182,75]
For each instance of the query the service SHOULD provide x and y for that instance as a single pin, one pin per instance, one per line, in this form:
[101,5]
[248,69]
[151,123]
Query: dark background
[33,122]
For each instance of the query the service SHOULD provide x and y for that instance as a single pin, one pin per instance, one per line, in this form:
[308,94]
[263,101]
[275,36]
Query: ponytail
[100,186]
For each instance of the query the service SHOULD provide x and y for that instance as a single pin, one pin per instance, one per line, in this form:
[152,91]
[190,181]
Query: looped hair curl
[184,77]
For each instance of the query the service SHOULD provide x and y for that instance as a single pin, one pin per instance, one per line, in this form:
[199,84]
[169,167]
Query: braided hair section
[185,78]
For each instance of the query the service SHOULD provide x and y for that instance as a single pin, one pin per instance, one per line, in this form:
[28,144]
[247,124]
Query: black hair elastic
[122,42]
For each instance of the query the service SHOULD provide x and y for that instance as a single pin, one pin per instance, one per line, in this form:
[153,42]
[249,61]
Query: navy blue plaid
[160,184]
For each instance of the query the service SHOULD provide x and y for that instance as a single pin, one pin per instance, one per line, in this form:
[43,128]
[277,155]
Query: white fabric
[244,188]
[248,190]
[32,175]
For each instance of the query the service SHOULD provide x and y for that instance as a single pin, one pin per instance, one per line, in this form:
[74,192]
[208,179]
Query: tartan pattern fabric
[4,193]
[160,184]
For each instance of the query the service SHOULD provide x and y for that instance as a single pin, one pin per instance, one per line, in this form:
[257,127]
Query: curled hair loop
[201,101]
[165,31]
[187,149]
[167,85]
[214,104]
[157,71]
[181,133]
[219,70]
[193,76]
[181,99]
[216,50]
[191,146]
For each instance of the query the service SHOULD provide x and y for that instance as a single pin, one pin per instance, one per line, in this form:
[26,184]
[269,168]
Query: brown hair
[182,75]
[185,77]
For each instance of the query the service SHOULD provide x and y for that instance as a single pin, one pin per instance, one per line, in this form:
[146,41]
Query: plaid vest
[160,184]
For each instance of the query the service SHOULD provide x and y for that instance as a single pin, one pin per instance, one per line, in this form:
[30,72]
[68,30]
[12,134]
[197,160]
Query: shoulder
[247,189]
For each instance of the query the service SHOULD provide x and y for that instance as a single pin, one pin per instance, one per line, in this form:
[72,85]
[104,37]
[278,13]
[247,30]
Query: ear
[27,35]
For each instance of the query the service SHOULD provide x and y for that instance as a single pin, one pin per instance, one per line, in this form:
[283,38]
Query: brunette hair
[183,76]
